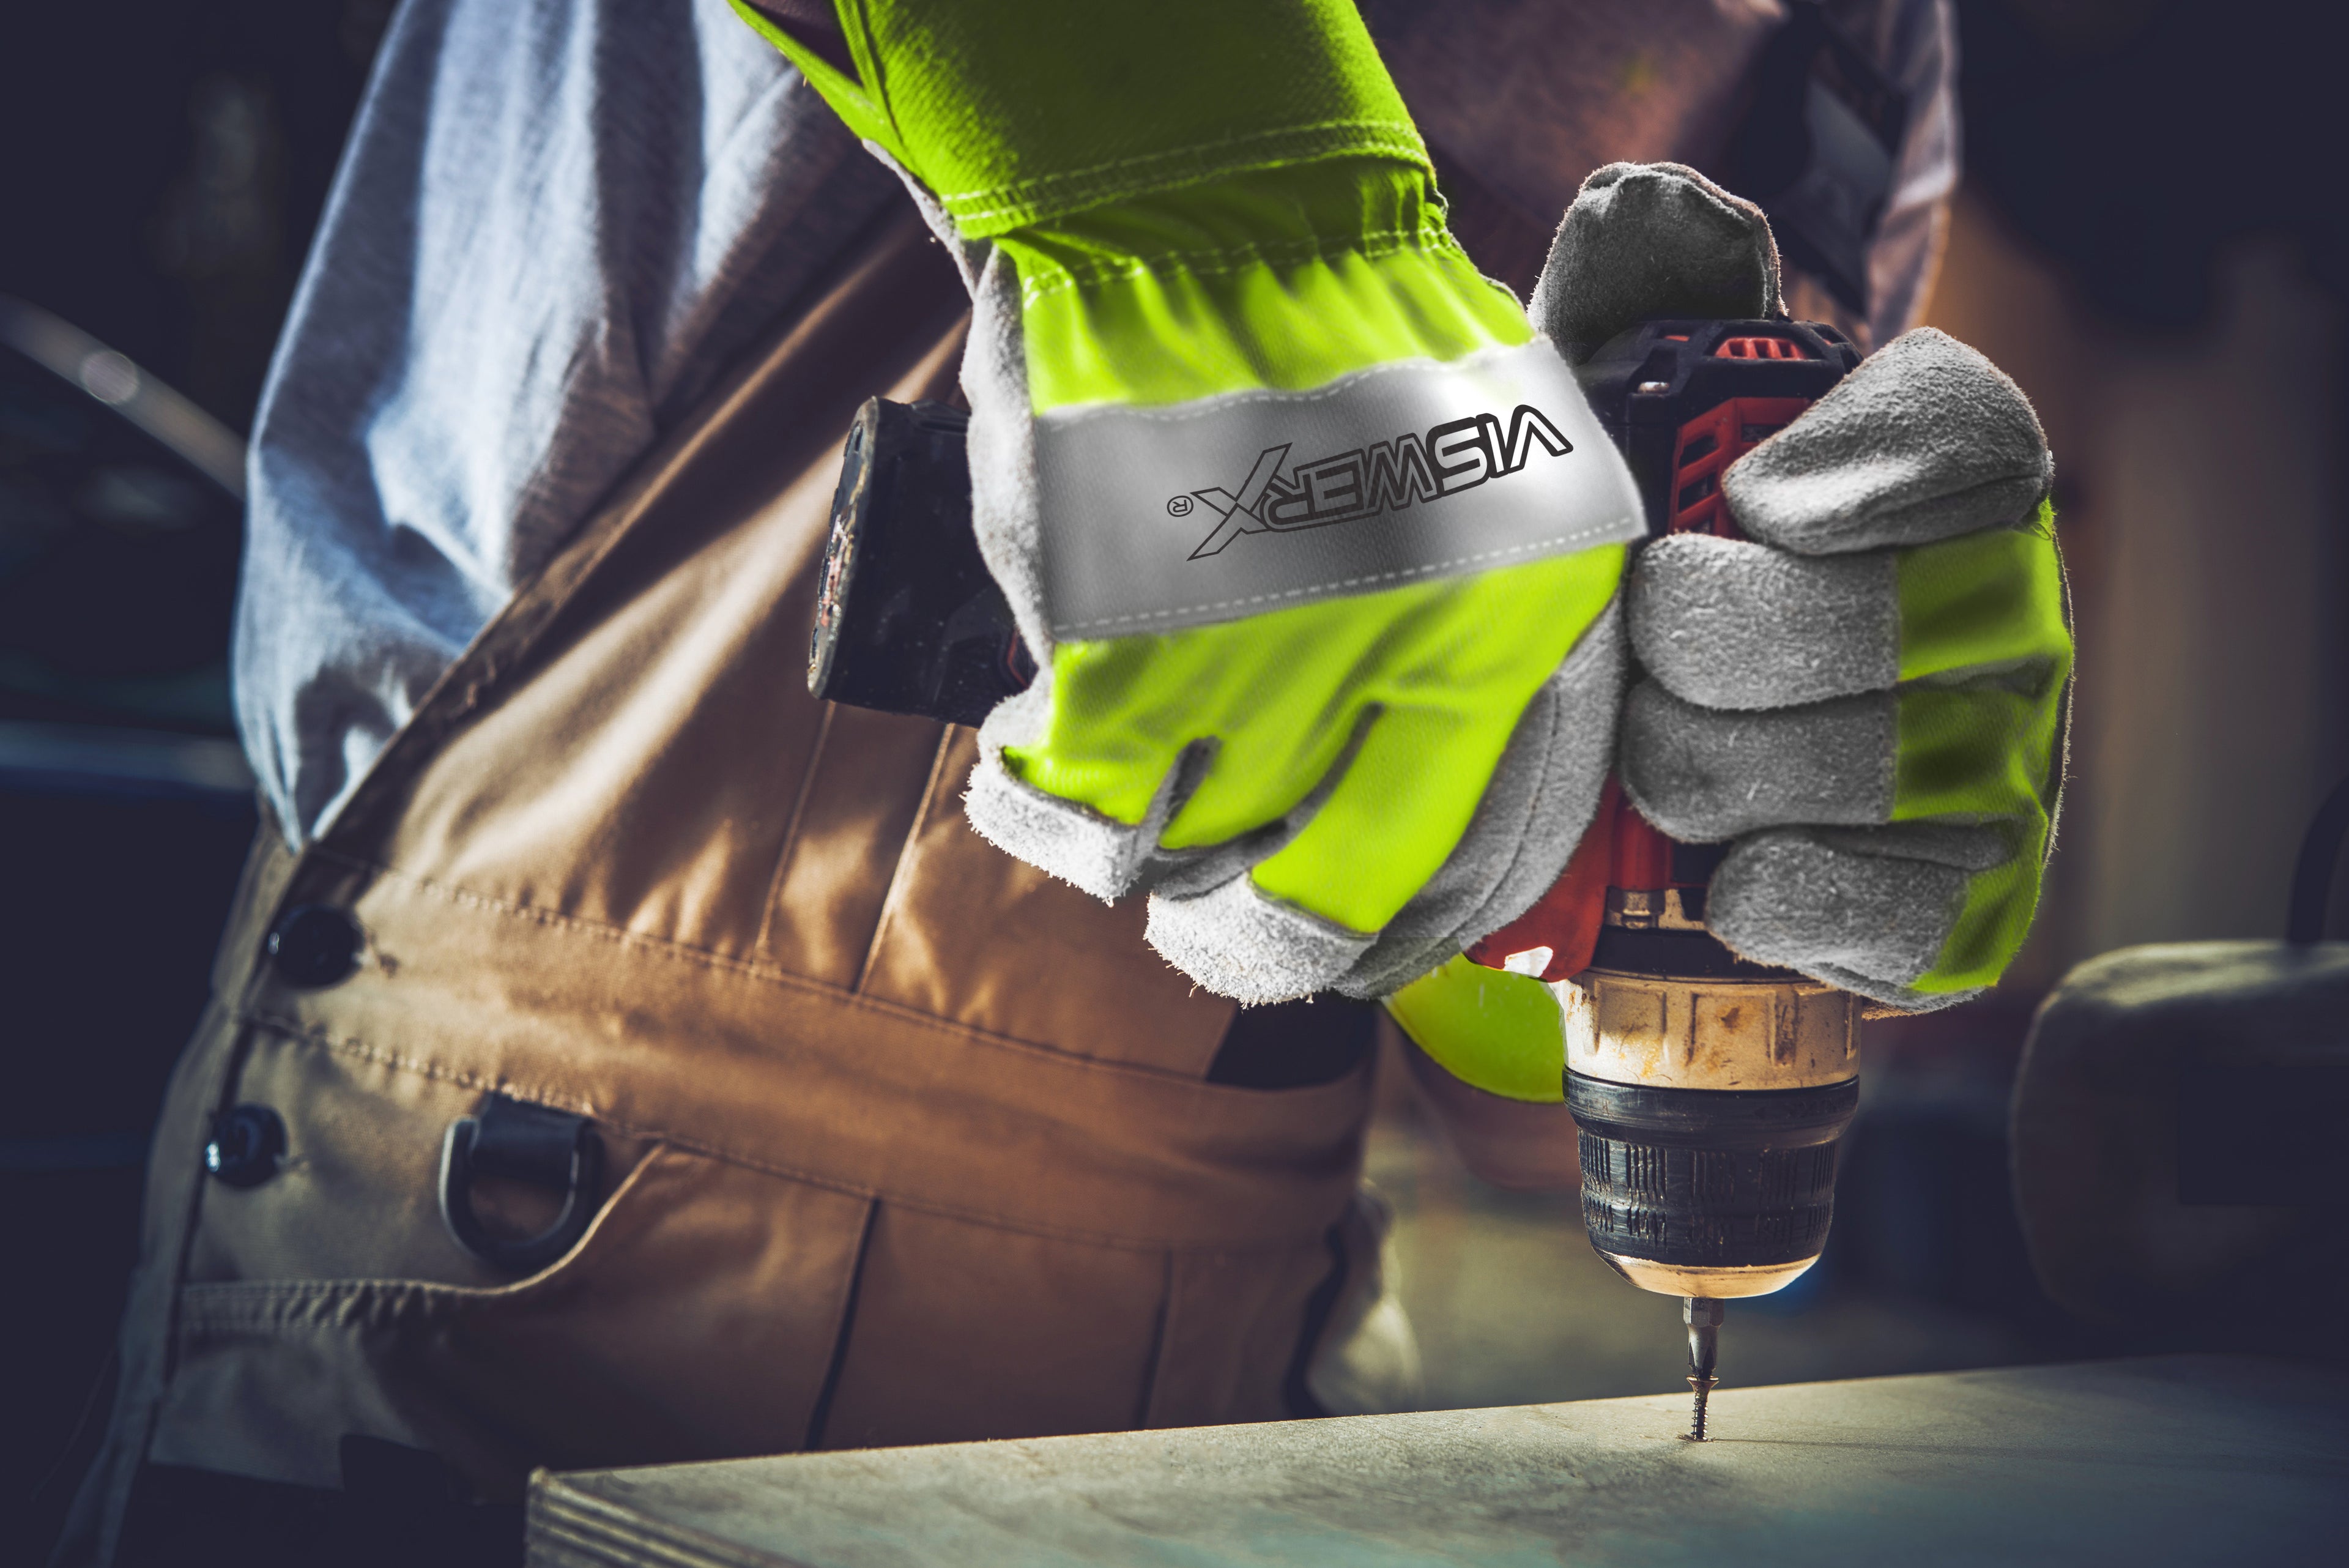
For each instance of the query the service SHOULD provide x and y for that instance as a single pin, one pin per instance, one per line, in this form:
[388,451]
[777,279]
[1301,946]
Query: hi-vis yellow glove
[1313,536]
[1863,697]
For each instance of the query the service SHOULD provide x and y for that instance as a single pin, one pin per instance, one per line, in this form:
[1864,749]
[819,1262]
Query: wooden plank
[2163,1460]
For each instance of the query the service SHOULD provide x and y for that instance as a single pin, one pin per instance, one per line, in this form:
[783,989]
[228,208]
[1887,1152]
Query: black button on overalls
[316,945]
[247,1143]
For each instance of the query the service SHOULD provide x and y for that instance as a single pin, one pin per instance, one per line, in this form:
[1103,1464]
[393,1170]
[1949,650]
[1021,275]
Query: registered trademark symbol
[1180,506]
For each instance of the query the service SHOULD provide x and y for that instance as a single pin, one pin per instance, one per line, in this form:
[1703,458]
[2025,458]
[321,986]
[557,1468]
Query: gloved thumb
[1644,241]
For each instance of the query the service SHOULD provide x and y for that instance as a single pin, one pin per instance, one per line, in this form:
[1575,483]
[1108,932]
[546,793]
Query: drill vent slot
[1710,443]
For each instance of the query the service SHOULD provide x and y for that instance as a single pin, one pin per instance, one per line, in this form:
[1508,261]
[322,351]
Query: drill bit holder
[1702,1315]
[1716,1193]
[1711,1096]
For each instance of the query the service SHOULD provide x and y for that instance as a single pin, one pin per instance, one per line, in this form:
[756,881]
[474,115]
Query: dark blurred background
[2142,240]
[162,166]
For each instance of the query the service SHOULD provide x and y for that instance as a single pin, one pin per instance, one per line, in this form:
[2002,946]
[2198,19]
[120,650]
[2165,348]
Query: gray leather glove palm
[1865,695]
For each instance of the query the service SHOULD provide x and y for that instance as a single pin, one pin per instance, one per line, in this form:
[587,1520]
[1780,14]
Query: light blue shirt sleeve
[554,223]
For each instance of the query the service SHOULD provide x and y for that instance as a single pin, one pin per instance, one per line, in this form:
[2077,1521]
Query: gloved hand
[1866,700]
[1315,544]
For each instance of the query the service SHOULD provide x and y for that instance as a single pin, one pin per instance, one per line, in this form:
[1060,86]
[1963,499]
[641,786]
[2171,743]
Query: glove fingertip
[1643,241]
[1868,924]
[1704,776]
[1058,837]
[1926,441]
[1258,950]
[1728,624]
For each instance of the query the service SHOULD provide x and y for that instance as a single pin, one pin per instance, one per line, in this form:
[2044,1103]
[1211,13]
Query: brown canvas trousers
[904,1141]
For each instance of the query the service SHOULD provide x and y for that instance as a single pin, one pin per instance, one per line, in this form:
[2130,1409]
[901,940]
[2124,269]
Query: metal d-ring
[518,1141]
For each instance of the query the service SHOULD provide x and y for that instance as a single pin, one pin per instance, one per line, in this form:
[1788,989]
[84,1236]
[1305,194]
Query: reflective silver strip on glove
[1158,518]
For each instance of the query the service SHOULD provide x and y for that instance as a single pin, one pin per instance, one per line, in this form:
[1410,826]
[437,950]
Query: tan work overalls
[904,1141]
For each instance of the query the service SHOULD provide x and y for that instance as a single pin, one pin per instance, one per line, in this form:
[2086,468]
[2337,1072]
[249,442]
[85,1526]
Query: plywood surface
[2167,1460]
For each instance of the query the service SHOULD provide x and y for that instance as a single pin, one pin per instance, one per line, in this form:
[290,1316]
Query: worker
[617,1056]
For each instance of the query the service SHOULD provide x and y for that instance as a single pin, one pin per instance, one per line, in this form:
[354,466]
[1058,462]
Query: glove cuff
[1017,114]
[1280,278]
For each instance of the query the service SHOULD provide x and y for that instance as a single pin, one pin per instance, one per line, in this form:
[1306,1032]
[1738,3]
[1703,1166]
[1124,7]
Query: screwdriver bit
[1702,1315]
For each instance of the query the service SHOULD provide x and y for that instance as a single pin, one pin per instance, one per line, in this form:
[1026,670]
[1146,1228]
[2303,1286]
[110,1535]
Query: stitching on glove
[1227,259]
[2026,675]
[1599,531]
[1070,189]
[1218,403]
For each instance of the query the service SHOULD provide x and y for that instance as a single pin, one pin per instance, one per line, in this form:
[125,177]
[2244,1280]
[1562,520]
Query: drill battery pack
[907,618]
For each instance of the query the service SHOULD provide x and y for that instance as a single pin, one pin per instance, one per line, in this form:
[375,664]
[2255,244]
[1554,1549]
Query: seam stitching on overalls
[352,1047]
[906,856]
[699,958]
[784,857]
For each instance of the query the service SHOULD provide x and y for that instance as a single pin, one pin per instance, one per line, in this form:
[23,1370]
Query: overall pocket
[695,1318]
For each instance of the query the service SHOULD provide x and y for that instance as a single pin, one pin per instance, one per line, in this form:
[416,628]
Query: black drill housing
[908,619]
[1646,384]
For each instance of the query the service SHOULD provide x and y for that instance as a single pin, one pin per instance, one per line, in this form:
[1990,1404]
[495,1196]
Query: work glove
[1865,702]
[1864,697]
[1315,541]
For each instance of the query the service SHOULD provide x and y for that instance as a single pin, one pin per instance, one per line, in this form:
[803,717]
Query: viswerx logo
[1384,476]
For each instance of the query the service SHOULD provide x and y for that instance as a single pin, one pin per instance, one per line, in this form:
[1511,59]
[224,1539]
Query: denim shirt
[554,223]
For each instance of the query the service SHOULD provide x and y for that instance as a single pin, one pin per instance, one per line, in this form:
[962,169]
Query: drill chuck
[1710,1096]
[1709,1192]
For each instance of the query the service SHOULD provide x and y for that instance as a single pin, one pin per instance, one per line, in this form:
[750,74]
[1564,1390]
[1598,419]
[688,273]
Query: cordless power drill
[1709,1093]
